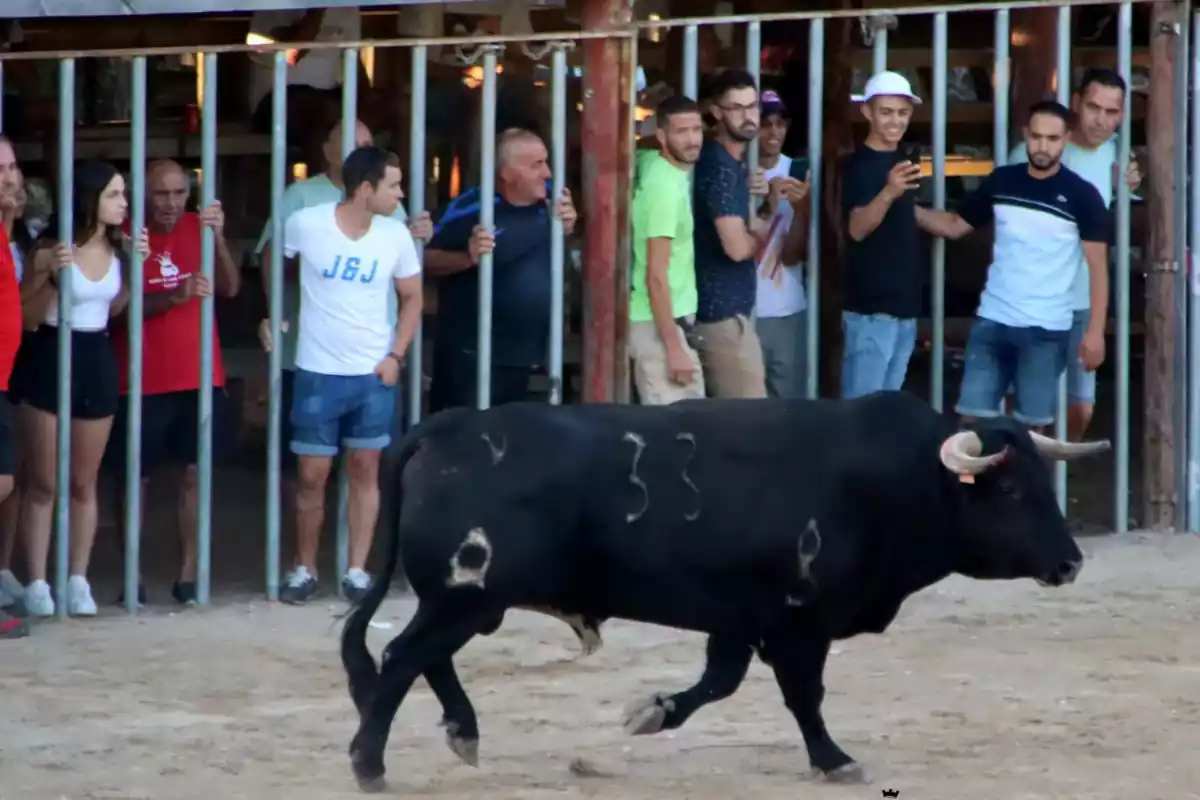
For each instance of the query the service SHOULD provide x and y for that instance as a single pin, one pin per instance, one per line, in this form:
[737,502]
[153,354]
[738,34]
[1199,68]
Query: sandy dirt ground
[978,691]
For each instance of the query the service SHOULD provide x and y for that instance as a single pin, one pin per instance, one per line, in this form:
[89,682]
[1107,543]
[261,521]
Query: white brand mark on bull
[690,437]
[640,444]
[497,452]
[807,548]
[470,576]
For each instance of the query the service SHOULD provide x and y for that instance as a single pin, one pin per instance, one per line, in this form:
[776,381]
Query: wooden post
[600,145]
[1159,496]
[1033,49]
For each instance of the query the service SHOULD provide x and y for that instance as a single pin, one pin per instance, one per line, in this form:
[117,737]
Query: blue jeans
[1031,359]
[878,347]
[334,411]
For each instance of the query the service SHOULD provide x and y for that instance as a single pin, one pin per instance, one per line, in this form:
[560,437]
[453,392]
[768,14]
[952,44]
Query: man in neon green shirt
[662,305]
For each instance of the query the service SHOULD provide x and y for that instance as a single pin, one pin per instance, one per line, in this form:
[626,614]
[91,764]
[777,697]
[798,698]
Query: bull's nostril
[1068,570]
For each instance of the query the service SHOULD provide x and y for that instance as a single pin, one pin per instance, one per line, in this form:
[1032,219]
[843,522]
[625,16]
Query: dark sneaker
[184,592]
[141,596]
[355,584]
[298,586]
[12,628]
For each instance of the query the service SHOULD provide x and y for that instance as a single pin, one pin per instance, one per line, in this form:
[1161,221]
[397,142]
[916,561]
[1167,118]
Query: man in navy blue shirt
[727,237]
[521,288]
[1046,216]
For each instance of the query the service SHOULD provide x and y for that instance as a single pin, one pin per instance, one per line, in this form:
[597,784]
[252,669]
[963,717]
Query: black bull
[776,527]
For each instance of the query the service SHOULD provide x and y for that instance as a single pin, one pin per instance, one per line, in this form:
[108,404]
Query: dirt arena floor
[1001,691]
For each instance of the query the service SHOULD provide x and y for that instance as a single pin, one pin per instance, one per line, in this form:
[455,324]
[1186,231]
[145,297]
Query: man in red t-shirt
[10,340]
[174,288]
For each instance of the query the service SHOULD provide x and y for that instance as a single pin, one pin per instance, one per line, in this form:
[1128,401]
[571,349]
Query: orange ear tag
[966,478]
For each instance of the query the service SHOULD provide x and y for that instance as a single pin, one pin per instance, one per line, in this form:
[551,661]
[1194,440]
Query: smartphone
[911,152]
[799,169]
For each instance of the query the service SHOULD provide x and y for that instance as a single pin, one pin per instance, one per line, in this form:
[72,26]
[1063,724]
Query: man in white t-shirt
[780,303]
[352,255]
[1091,152]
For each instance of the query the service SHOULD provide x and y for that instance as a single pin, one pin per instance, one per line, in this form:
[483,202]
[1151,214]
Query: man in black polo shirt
[884,269]
[520,248]
[727,238]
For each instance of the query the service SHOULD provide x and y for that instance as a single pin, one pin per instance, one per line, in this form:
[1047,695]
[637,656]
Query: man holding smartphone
[883,264]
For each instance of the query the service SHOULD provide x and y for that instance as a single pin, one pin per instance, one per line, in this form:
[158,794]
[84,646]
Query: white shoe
[39,600]
[10,586]
[79,598]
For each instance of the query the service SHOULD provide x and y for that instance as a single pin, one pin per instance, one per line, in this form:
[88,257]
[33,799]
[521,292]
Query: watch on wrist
[399,361]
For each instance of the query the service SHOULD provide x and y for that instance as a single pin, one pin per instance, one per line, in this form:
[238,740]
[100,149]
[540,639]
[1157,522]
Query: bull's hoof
[368,772]
[465,749]
[853,773]
[647,716]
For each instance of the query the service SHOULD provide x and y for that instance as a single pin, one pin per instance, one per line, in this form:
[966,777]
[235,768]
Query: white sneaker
[39,600]
[10,586]
[79,598]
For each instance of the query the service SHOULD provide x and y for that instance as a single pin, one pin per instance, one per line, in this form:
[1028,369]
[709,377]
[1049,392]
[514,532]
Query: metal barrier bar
[691,62]
[1180,256]
[754,67]
[937,389]
[208,192]
[816,99]
[349,128]
[558,169]
[1124,145]
[137,296]
[1191,265]
[66,235]
[1000,93]
[487,209]
[416,204]
[275,409]
[1063,71]
[879,50]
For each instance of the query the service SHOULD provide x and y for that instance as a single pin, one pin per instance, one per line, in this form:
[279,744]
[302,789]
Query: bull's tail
[360,665]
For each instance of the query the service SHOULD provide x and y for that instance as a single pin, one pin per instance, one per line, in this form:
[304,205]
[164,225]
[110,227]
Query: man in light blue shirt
[1092,153]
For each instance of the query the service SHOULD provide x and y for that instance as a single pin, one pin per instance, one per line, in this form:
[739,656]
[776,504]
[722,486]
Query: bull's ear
[960,454]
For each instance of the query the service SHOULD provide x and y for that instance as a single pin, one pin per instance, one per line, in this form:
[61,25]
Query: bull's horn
[1056,450]
[960,454]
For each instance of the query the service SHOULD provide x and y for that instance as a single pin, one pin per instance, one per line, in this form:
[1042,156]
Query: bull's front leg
[725,667]
[798,659]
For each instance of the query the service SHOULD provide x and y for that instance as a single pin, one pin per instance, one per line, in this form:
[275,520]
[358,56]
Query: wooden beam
[1159,495]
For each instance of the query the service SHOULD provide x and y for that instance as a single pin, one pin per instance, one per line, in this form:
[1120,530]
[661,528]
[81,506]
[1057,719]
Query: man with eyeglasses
[727,237]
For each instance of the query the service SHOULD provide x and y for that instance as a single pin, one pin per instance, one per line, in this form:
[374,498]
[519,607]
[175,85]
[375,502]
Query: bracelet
[399,360]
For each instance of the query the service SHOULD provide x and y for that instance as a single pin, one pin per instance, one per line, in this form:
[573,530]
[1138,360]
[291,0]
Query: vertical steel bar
[754,67]
[691,62]
[1123,237]
[879,51]
[66,235]
[558,146]
[1000,99]
[1182,324]
[1063,90]
[487,209]
[938,283]
[275,409]
[416,204]
[1192,264]
[816,99]
[208,192]
[349,127]
[133,431]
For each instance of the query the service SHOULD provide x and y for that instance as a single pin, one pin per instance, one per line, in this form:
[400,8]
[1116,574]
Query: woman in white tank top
[96,265]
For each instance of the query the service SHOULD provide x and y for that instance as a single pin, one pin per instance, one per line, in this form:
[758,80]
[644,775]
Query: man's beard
[744,134]
[1050,162]
[680,156]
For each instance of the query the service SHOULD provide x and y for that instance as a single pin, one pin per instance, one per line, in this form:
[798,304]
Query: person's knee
[6,487]
[39,486]
[311,476]
[362,467]
[83,489]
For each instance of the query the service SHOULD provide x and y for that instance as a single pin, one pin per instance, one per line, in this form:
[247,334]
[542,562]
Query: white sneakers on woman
[39,600]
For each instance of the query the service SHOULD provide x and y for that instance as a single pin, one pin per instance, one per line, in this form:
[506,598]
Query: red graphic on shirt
[171,340]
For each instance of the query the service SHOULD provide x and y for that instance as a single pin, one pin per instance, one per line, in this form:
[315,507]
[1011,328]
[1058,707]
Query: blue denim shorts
[334,411]
[878,347]
[1031,359]
[1081,382]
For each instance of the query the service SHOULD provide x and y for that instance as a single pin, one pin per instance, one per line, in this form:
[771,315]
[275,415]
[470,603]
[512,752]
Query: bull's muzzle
[1066,572]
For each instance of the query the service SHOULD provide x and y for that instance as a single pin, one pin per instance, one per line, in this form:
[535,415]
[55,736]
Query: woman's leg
[37,507]
[10,511]
[88,439]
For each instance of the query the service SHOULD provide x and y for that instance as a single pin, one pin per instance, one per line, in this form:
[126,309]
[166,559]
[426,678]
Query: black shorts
[8,437]
[170,430]
[95,385]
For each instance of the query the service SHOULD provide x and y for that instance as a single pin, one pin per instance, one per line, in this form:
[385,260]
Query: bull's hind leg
[798,659]
[434,635]
[458,715]
[724,669]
